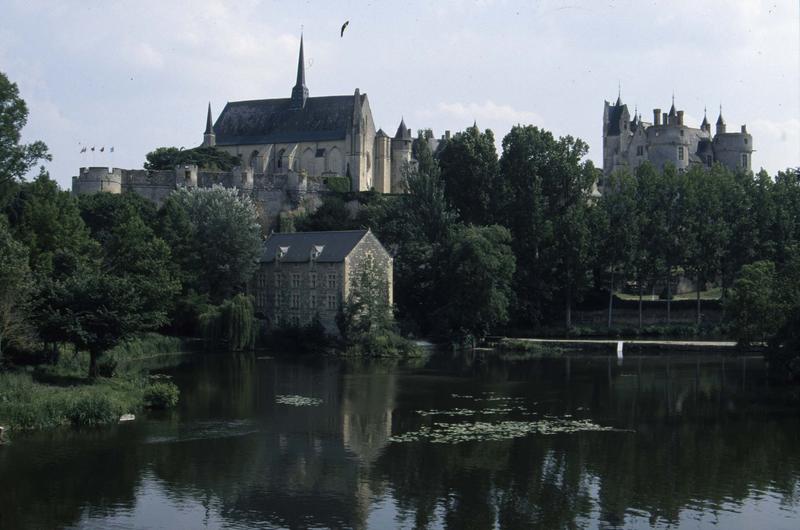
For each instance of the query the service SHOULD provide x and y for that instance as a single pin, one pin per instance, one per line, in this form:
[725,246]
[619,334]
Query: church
[320,136]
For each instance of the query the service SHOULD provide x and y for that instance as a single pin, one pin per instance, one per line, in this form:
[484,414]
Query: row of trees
[482,240]
[94,270]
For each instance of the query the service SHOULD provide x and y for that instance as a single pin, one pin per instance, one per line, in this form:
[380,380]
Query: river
[577,442]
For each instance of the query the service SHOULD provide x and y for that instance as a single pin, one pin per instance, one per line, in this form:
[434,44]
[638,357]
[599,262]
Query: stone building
[318,135]
[308,275]
[630,141]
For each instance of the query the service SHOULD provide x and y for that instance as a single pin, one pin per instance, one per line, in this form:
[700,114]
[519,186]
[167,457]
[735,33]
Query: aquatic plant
[452,433]
[297,401]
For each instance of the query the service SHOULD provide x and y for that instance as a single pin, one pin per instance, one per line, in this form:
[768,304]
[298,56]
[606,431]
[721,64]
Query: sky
[137,75]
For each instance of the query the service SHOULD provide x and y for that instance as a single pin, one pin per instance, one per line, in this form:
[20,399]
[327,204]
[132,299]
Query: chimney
[656,116]
[447,135]
[680,117]
[744,129]
[665,118]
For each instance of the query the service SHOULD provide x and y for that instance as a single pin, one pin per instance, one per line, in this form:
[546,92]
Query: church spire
[209,126]
[300,91]
[209,139]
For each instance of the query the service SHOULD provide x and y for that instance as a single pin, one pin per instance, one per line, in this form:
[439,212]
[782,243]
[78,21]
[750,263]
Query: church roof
[267,121]
[614,116]
[333,246]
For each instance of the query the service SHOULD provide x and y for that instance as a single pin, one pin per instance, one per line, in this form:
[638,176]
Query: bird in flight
[341,33]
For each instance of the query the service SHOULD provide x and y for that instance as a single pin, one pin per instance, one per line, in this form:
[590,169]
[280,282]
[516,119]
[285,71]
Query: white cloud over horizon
[138,75]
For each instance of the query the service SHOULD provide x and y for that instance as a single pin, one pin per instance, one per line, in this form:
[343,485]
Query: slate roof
[614,115]
[267,121]
[337,245]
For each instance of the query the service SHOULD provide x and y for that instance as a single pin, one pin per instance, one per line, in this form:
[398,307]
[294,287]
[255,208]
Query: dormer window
[316,250]
[280,254]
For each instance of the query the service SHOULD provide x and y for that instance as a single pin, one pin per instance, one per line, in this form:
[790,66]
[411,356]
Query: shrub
[161,395]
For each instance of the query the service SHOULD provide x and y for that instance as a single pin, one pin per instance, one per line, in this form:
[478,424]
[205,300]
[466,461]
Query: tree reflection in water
[707,437]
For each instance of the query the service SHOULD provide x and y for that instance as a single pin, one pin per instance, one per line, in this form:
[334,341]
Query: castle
[289,148]
[627,143]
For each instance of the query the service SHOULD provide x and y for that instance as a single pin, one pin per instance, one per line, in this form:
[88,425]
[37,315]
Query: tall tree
[47,220]
[16,288]
[618,230]
[209,158]
[548,186]
[224,243]
[16,159]
[477,289]
[470,168]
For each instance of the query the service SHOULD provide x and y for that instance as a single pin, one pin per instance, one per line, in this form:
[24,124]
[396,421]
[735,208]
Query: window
[277,280]
[312,280]
[295,280]
[745,141]
[331,281]
[295,321]
[681,132]
[277,299]
[331,301]
[295,301]
[639,150]
[709,160]
[312,301]
[744,159]
[680,152]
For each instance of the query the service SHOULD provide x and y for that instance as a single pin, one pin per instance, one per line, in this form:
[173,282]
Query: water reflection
[707,444]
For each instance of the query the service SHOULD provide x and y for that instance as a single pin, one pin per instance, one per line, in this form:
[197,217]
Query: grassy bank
[48,396]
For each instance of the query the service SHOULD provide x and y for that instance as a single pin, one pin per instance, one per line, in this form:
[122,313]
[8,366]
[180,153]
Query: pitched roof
[336,246]
[267,121]
[614,116]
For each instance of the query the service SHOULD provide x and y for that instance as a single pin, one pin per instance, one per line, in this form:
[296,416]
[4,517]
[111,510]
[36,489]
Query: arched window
[279,159]
[334,161]
[307,161]
[253,160]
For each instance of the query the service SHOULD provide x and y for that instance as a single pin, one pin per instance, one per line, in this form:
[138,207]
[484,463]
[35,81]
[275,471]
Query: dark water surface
[697,444]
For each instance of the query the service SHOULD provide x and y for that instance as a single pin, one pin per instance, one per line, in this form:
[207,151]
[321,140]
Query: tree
[48,222]
[753,307]
[477,291]
[16,288]
[16,159]
[208,158]
[470,169]
[95,311]
[221,251]
[617,224]
[548,187]
[102,212]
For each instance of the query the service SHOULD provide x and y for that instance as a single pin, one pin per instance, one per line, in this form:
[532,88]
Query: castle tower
[720,122]
[401,155]
[383,163]
[300,91]
[209,139]
[705,126]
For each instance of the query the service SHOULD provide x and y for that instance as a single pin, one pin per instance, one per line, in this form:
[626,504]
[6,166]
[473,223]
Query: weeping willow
[231,323]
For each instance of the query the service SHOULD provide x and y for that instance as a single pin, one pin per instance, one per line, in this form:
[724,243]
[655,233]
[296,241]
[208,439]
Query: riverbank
[610,346]
[47,396]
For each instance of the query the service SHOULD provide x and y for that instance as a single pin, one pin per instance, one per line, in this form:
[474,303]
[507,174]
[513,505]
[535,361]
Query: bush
[94,408]
[161,395]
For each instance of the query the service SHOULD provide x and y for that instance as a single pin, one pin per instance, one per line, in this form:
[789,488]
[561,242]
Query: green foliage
[208,158]
[477,291]
[471,176]
[753,307]
[48,222]
[231,323]
[161,395]
[16,289]
[366,321]
[16,159]
[219,245]
[332,214]
[27,403]
[338,184]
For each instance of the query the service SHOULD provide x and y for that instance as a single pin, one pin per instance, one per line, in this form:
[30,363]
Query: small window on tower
[640,150]
[744,159]
[680,152]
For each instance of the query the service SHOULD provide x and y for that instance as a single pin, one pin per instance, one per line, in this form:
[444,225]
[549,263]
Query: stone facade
[627,143]
[320,136]
[308,275]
